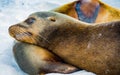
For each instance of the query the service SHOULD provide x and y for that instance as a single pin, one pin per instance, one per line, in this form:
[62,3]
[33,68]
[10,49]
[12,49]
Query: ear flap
[87,10]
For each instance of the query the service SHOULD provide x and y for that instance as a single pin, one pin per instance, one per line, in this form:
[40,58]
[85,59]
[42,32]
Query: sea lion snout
[21,33]
[13,31]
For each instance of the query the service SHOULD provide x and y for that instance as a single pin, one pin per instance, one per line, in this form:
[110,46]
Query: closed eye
[30,20]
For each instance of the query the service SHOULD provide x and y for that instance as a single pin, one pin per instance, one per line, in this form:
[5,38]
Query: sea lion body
[35,60]
[106,13]
[93,47]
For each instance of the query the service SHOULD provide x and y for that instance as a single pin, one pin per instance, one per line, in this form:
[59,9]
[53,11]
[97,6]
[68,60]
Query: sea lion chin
[93,47]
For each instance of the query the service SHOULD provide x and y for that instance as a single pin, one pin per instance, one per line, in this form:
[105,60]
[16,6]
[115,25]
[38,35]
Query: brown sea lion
[88,8]
[35,60]
[93,47]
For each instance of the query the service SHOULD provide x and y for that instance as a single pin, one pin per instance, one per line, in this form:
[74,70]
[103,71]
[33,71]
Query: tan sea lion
[35,60]
[93,47]
[88,8]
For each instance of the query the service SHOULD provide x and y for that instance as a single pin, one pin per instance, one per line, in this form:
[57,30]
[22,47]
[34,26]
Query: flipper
[87,10]
[59,67]
[84,10]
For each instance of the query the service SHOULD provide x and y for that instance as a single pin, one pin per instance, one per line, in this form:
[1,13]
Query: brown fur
[93,47]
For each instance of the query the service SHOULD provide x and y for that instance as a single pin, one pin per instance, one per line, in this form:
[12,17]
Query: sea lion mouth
[17,31]
[20,36]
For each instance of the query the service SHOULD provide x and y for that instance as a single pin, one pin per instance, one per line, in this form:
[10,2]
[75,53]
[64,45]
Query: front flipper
[87,10]
[59,67]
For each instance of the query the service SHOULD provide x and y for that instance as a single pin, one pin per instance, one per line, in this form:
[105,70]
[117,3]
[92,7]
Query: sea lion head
[39,25]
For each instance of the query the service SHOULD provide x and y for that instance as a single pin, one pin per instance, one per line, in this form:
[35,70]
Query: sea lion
[35,60]
[93,47]
[90,11]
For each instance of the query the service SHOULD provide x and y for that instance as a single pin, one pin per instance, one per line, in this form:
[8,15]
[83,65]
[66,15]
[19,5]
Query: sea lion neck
[66,34]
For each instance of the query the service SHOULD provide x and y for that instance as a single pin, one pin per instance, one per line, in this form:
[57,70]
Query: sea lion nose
[15,28]
[11,30]
[11,27]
